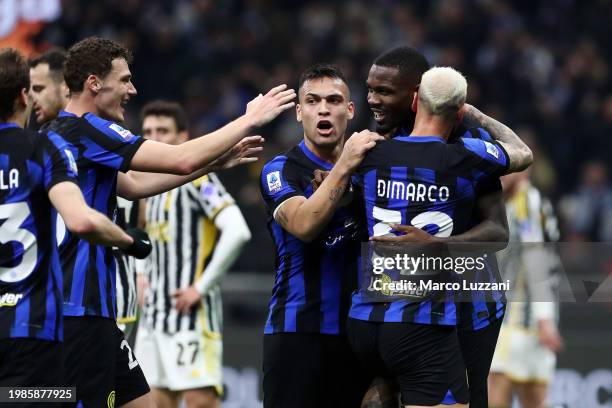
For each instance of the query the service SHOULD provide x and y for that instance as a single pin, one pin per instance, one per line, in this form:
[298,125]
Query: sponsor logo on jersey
[274,181]
[492,150]
[10,299]
[124,133]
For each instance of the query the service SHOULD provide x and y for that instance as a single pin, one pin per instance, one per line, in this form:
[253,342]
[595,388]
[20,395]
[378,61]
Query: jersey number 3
[10,231]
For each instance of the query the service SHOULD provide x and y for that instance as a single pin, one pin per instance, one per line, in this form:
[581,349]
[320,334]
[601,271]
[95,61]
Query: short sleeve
[212,195]
[493,158]
[109,144]
[278,183]
[58,161]
[478,133]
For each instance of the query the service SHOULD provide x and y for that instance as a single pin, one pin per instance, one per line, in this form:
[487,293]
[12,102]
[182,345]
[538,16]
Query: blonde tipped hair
[443,91]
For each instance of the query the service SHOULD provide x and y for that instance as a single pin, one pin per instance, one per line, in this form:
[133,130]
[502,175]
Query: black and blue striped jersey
[486,306]
[314,280]
[30,272]
[101,149]
[429,184]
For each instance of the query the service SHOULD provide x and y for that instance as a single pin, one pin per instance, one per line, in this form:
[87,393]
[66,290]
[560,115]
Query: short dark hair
[14,77]
[166,108]
[321,70]
[91,56]
[409,61]
[55,58]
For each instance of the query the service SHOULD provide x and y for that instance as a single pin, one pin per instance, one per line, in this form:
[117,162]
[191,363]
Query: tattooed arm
[305,218]
[519,154]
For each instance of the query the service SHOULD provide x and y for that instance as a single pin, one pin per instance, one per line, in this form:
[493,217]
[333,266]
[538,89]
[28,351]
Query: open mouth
[379,116]
[325,127]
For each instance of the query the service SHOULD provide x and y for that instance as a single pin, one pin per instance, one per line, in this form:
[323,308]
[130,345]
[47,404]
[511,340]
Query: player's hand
[549,335]
[142,284]
[356,148]
[186,299]
[410,234]
[264,108]
[319,176]
[243,152]
[141,247]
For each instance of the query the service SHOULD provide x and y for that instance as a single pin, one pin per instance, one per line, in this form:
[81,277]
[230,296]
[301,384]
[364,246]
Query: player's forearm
[488,232]
[519,154]
[202,151]
[312,215]
[234,235]
[98,229]
[134,185]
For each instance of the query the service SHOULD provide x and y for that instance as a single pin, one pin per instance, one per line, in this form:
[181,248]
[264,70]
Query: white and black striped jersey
[531,267]
[181,227]
[127,302]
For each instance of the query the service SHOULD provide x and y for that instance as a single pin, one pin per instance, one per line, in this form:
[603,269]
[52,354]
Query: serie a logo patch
[124,133]
[274,181]
[492,150]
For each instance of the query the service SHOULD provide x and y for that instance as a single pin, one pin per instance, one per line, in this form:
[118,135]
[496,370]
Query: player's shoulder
[286,160]
[479,147]
[107,127]
[209,178]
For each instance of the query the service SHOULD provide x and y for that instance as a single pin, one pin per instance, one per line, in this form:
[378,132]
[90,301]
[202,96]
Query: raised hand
[243,152]
[264,108]
[356,148]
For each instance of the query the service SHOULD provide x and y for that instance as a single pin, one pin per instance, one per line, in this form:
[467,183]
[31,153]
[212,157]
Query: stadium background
[542,67]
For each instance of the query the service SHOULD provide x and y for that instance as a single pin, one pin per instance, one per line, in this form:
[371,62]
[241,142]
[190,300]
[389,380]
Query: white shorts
[181,361]
[521,357]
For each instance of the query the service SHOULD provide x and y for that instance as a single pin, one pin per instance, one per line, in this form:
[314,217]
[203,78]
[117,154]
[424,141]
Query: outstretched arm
[519,154]
[137,184]
[193,155]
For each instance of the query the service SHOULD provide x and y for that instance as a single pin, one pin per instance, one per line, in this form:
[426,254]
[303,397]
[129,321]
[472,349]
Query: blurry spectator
[588,211]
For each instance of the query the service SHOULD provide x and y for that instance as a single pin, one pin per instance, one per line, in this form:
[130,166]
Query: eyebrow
[312,94]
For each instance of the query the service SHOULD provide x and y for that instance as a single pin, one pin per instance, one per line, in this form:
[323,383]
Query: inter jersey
[314,279]
[429,184]
[101,149]
[30,272]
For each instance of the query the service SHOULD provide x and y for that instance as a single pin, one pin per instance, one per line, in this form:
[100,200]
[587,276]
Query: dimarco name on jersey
[413,192]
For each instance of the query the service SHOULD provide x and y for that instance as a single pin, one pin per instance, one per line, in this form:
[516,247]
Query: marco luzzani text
[428,265]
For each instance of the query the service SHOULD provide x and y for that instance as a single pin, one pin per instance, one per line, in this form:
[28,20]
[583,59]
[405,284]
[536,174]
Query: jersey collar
[7,125]
[313,157]
[420,139]
[63,114]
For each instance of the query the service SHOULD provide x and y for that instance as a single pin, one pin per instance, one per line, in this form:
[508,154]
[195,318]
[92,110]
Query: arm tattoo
[335,194]
[519,154]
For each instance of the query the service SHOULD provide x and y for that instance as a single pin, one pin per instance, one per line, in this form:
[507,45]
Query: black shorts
[423,361]
[100,363]
[311,370]
[477,348]
[30,363]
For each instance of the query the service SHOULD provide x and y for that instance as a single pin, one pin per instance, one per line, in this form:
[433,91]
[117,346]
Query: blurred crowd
[540,66]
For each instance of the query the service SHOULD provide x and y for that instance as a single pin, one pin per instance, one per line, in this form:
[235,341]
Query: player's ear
[460,113]
[351,110]
[415,100]
[298,112]
[93,83]
[183,136]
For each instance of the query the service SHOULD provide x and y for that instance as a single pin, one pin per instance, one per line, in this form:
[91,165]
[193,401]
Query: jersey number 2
[437,218]
[10,231]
